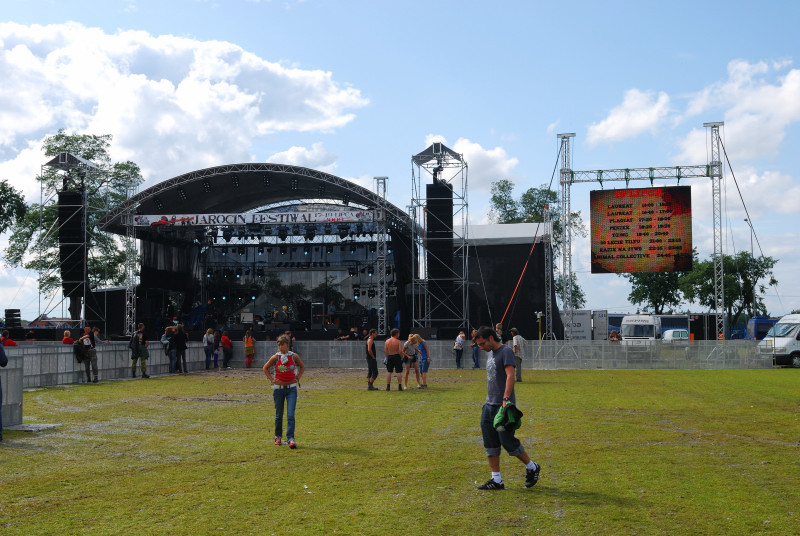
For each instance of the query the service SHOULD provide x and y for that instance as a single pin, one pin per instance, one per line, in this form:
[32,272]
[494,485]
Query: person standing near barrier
[500,363]
[208,346]
[227,349]
[410,360]
[139,351]
[67,338]
[6,340]
[249,348]
[180,339]
[458,346]
[3,363]
[217,338]
[392,349]
[372,361]
[424,359]
[289,369]
[90,359]
[518,345]
[476,359]
[168,340]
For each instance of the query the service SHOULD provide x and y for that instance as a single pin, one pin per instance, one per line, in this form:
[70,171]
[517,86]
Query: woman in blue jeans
[288,368]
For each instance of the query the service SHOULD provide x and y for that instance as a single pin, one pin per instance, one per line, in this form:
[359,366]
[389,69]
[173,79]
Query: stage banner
[641,230]
[271,218]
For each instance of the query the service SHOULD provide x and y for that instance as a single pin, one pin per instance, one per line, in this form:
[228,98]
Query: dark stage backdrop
[493,272]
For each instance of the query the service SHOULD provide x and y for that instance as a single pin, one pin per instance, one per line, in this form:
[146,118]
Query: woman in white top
[409,359]
[208,346]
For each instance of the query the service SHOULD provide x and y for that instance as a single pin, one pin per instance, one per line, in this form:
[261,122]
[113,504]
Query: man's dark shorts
[394,363]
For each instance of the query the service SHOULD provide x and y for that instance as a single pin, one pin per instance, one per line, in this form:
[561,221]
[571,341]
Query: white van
[783,341]
[676,336]
[639,332]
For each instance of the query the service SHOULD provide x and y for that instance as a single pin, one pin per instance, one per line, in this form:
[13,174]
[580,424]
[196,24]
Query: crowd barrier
[42,364]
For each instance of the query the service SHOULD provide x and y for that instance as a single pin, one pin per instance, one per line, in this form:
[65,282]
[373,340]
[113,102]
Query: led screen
[641,230]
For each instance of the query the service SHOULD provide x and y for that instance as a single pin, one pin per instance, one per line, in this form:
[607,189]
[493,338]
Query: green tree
[326,291]
[530,209]
[34,238]
[745,280]
[656,291]
[12,206]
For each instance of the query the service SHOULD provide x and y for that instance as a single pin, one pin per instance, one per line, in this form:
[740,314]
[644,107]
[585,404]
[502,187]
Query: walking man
[500,363]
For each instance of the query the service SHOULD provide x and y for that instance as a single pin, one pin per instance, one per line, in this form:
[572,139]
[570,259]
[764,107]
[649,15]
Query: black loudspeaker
[13,318]
[439,245]
[72,241]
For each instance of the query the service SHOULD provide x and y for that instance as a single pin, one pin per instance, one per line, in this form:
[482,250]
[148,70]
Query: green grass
[622,452]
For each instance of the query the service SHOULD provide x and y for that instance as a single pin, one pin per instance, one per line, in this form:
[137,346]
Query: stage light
[388,249]
[328,249]
[241,250]
[311,232]
[306,250]
[321,190]
[369,271]
[227,234]
[260,272]
[266,180]
[356,291]
[224,251]
[159,205]
[328,229]
[283,250]
[346,199]
[224,297]
[238,273]
[293,183]
[260,250]
[206,186]
[208,273]
[371,292]
[343,231]
[360,228]
[351,271]
[352,249]
[372,248]
[182,194]
[283,232]
[235,181]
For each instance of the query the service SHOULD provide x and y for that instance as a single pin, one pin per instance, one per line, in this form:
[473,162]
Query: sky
[356,88]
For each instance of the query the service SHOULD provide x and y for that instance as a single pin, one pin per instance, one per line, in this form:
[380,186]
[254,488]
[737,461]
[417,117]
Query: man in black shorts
[393,348]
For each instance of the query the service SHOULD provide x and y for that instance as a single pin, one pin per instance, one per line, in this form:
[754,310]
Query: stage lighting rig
[283,233]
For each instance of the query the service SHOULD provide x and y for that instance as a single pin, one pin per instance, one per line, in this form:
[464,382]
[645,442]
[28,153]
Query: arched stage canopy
[242,188]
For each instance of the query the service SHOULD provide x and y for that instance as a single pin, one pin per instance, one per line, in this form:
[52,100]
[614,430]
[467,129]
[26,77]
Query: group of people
[400,356]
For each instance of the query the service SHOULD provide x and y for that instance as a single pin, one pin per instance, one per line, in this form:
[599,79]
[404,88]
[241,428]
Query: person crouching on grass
[288,370]
[500,363]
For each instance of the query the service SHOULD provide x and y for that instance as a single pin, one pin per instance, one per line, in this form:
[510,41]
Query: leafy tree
[657,291]
[12,206]
[745,280]
[530,209]
[326,291]
[34,238]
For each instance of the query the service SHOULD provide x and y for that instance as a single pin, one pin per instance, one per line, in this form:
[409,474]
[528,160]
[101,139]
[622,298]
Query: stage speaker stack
[72,241]
[439,242]
[13,318]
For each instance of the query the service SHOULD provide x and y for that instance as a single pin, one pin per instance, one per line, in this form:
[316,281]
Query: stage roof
[242,188]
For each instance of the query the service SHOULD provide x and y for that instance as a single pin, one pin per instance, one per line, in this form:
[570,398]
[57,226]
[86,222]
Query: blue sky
[356,88]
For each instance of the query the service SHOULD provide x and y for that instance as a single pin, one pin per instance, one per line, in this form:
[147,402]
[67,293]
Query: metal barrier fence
[42,364]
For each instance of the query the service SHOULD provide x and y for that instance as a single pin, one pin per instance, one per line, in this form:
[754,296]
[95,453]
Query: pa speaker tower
[72,242]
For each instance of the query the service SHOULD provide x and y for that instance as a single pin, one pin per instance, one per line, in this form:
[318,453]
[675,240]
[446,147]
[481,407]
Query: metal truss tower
[715,172]
[440,278]
[566,228]
[711,170]
[380,253]
[130,269]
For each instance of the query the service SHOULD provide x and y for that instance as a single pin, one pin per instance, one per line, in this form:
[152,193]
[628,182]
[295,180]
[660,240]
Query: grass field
[622,452]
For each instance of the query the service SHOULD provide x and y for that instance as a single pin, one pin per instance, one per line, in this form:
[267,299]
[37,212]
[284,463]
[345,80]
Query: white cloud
[171,103]
[756,111]
[316,158]
[640,111]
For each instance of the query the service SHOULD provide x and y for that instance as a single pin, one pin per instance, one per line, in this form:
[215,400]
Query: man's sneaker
[399,387]
[278,441]
[532,476]
[491,484]
[292,444]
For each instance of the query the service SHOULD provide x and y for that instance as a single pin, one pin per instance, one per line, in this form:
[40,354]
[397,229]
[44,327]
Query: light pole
[752,260]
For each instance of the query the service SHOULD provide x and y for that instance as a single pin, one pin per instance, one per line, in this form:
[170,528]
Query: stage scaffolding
[440,279]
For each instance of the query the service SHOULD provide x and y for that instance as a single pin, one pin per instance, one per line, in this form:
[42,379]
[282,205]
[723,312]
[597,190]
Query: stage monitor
[641,230]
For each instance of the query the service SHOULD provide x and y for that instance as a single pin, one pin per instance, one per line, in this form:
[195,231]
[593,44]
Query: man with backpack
[138,345]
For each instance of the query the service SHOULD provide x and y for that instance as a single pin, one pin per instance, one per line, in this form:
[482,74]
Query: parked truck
[640,333]
[782,342]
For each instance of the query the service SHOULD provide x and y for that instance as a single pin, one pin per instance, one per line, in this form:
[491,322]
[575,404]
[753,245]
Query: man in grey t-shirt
[500,364]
